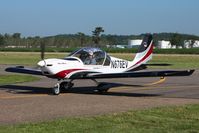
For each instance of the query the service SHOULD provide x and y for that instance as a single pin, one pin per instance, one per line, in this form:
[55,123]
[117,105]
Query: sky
[121,17]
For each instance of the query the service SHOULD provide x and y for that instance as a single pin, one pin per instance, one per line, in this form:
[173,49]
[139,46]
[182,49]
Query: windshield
[90,56]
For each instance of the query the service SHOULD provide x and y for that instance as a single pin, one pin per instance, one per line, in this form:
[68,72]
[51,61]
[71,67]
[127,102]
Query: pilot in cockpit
[90,59]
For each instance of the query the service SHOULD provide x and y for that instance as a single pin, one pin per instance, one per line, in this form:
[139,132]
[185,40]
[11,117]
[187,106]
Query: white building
[120,46]
[187,44]
[196,44]
[165,45]
[116,46]
[134,43]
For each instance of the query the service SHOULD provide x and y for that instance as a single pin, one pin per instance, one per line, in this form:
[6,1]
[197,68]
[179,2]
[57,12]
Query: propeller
[42,48]
[42,63]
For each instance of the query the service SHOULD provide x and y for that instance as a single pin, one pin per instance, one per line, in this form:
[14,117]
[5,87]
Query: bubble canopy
[92,56]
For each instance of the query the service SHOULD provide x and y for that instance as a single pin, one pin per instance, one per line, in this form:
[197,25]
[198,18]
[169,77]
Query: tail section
[144,53]
[145,43]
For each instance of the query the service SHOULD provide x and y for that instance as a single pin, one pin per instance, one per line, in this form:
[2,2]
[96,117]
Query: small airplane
[94,63]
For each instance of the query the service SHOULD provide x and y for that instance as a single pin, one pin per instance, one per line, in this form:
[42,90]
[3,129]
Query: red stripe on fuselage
[64,73]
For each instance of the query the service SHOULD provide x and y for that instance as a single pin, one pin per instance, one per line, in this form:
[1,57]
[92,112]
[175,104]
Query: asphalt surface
[33,101]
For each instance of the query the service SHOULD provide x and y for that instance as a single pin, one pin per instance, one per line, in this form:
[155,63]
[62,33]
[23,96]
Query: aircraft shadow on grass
[19,89]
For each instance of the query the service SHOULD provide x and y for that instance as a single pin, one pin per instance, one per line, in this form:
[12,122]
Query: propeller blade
[42,47]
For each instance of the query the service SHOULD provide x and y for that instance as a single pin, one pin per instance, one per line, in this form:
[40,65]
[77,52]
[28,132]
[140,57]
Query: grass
[25,58]
[183,119]
[11,79]
[109,50]
[31,58]
[177,61]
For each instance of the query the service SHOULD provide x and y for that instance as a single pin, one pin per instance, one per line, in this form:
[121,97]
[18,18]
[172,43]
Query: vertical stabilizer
[144,52]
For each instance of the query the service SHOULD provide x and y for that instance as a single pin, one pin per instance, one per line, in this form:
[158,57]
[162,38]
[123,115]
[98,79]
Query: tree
[2,41]
[6,36]
[81,38]
[96,34]
[16,35]
[111,39]
[16,39]
[156,39]
[176,40]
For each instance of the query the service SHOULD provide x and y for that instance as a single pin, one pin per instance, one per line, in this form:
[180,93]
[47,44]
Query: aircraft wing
[163,73]
[21,69]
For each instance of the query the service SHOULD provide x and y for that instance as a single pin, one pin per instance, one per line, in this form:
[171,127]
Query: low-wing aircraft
[93,63]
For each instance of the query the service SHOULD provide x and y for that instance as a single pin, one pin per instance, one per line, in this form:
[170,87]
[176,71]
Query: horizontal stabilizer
[158,64]
[140,74]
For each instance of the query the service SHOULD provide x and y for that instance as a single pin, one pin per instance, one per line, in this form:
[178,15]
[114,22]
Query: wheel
[56,89]
[70,85]
[103,87]
[162,77]
[66,85]
[102,90]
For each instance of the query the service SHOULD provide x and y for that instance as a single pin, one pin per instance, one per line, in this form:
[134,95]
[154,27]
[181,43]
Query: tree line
[97,39]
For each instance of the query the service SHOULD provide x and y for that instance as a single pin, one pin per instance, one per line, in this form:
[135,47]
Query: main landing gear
[65,85]
[102,87]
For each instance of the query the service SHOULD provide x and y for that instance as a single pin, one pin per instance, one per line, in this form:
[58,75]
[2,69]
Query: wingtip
[191,71]
[7,69]
[10,69]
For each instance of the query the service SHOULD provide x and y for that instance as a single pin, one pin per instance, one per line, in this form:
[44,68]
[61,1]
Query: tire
[102,91]
[56,89]
[66,85]
[103,87]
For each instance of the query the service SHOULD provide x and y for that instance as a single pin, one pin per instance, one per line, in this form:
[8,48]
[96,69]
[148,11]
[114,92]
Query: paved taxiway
[29,102]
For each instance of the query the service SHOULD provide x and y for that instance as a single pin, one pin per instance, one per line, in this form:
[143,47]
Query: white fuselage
[63,68]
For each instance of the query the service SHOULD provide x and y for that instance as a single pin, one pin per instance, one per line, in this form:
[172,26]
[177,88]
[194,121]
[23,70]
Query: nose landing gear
[56,89]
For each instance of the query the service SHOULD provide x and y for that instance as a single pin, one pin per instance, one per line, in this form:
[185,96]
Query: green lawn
[25,58]
[184,119]
[31,58]
[11,79]
[177,61]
